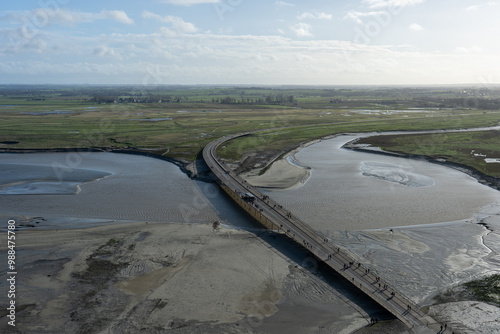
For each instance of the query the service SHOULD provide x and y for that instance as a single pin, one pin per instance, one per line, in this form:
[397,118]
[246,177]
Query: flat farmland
[179,121]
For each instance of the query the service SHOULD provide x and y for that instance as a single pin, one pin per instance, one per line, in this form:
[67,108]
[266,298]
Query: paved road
[274,216]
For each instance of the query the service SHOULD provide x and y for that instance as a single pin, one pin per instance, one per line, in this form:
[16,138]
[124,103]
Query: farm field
[178,121]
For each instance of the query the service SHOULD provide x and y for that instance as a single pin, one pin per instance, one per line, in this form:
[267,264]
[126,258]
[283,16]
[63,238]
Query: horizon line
[253,85]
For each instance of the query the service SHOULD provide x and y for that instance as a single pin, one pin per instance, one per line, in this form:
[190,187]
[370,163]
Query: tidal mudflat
[174,270]
[424,227]
[137,249]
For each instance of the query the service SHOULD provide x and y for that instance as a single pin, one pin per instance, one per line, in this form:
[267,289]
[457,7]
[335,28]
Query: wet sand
[285,173]
[178,278]
[281,176]
[84,270]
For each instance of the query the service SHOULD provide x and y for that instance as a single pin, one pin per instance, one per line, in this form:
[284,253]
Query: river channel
[347,190]
[352,190]
[70,190]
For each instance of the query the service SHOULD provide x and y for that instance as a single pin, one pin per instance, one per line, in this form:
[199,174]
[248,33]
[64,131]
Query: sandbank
[283,173]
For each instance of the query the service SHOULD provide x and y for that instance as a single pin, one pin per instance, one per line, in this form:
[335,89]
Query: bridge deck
[275,217]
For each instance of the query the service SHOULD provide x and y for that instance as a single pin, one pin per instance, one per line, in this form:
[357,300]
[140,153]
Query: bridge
[275,217]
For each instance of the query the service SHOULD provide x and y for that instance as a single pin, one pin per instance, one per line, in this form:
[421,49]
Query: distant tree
[105,99]
[228,100]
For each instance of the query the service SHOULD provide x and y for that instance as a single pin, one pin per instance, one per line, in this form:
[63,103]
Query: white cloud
[167,32]
[469,50]
[117,15]
[391,3]
[149,15]
[265,57]
[283,4]
[315,16]
[177,23]
[216,59]
[302,30]
[26,41]
[189,2]
[359,16]
[474,7]
[42,17]
[304,58]
[479,6]
[180,25]
[104,51]
[416,27]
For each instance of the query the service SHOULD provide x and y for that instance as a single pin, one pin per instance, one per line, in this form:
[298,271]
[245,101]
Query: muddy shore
[255,166]
[282,172]
[177,278]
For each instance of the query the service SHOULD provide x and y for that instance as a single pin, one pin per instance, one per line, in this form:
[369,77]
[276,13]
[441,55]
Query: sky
[267,42]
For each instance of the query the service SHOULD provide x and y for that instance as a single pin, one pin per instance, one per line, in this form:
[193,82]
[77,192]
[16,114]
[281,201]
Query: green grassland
[179,121]
[280,139]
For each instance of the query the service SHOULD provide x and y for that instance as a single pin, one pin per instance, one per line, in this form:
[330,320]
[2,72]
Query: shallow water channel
[79,190]
[352,190]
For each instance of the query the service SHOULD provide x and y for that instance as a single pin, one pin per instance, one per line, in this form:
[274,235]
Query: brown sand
[180,278]
[280,175]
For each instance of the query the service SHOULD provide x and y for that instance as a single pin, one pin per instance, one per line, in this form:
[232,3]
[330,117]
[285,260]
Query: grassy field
[284,138]
[179,121]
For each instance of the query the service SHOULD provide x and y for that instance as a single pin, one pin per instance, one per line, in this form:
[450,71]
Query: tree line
[269,99]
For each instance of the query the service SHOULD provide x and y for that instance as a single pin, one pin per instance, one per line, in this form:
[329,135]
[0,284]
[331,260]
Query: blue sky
[314,42]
